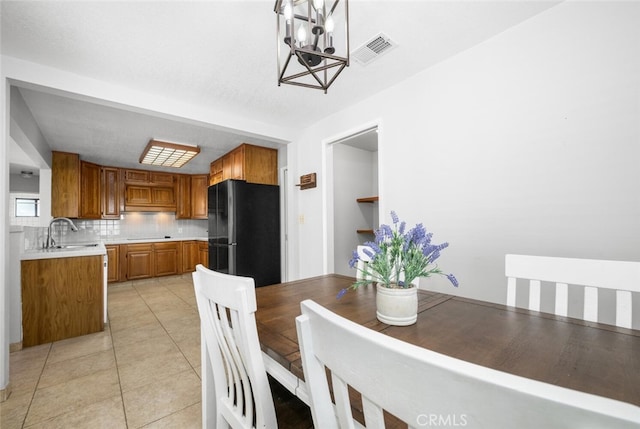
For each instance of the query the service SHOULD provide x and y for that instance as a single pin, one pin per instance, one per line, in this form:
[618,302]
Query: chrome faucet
[50,241]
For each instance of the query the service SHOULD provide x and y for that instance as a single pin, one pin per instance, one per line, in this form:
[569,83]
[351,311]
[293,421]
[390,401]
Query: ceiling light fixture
[316,33]
[168,154]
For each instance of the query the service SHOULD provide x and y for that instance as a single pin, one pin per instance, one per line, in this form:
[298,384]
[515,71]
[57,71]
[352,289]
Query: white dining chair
[589,274]
[424,388]
[363,260]
[235,387]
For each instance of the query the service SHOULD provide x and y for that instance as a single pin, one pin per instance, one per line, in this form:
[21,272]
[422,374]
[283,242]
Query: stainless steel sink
[73,246]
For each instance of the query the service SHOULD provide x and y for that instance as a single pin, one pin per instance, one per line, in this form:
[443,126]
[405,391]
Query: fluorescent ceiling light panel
[166,154]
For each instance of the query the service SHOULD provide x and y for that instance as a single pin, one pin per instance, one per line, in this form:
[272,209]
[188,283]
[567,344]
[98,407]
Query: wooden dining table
[589,357]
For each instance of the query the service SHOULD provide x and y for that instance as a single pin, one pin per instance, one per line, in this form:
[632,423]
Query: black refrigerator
[244,230]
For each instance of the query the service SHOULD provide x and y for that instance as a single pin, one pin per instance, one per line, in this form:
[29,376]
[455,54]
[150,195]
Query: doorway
[355,195]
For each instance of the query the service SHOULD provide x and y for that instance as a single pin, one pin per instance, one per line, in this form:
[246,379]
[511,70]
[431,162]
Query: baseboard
[15,347]
[5,393]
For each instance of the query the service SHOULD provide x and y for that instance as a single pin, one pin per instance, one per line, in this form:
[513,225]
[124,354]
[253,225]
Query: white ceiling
[222,55]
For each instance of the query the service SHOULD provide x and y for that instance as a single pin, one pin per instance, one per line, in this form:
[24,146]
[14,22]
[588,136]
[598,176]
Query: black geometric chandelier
[313,41]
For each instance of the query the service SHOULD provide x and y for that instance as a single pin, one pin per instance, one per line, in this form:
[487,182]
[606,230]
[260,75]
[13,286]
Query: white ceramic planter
[397,306]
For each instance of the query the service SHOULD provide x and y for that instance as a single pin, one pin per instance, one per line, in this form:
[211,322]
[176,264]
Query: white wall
[19,184]
[527,143]
[25,132]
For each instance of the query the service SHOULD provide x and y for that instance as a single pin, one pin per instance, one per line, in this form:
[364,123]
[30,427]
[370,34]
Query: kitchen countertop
[159,239]
[74,252]
[99,249]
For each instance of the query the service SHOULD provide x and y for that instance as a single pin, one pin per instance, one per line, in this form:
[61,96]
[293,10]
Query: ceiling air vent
[374,48]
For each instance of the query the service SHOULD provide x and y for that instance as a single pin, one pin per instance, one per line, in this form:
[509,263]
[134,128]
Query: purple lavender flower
[372,246]
[428,249]
[368,251]
[353,262]
[398,256]
[419,232]
[387,232]
[341,293]
[453,279]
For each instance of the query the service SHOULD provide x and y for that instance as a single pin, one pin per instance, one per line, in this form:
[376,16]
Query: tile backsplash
[130,225]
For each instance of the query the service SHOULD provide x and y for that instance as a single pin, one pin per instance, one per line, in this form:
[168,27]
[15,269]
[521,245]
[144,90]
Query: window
[27,207]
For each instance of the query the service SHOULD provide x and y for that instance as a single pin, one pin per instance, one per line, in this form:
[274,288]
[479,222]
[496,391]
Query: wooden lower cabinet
[137,261]
[113,264]
[61,298]
[203,252]
[146,260]
[190,256]
[167,258]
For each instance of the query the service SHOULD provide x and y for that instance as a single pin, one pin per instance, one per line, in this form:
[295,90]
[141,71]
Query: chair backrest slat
[415,384]
[534,295]
[235,389]
[590,304]
[590,274]
[623,308]
[562,299]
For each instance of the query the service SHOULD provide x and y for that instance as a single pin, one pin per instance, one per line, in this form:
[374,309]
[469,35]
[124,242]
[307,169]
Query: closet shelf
[364,231]
[366,200]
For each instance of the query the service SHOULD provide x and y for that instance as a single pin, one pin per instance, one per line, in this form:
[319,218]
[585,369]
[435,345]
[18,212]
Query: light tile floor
[143,371]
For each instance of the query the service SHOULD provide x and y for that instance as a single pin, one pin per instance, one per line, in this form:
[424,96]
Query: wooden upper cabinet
[111,194]
[81,189]
[78,187]
[135,176]
[255,164]
[149,191]
[192,196]
[65,184]
[161,179]
[233,164]
[216,172]
[199,196]
[90,199]
[145,177]
[163,197]
[260,165]
[183,198]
